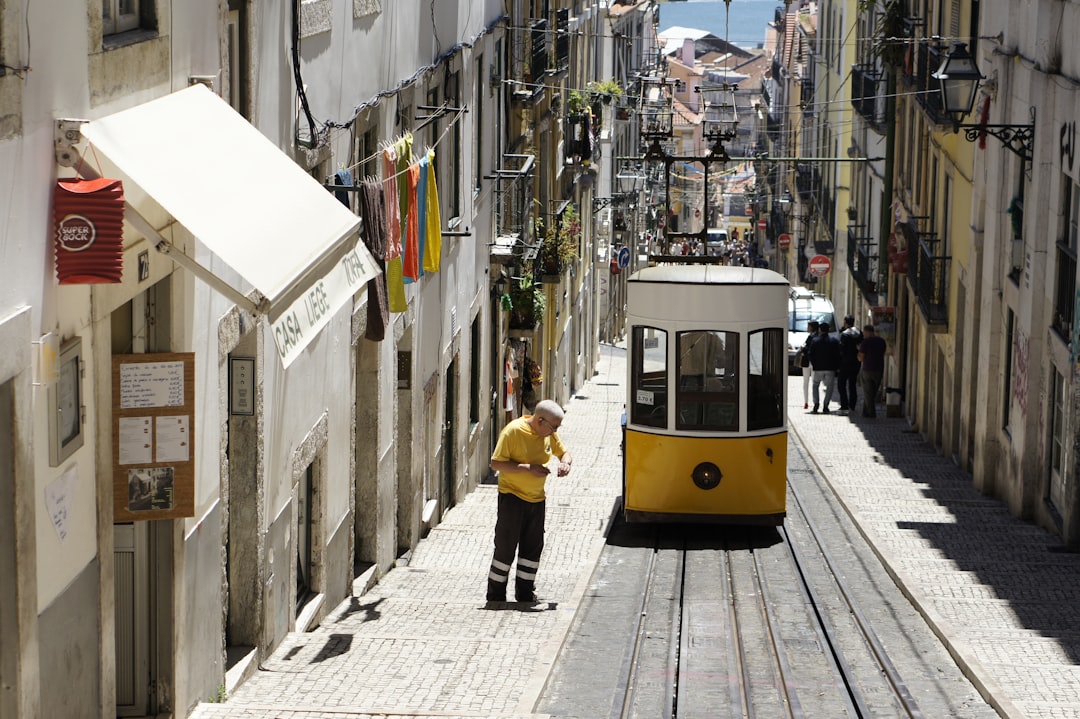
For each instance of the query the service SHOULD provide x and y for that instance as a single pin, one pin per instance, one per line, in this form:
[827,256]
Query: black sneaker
[496,597]
[529,598]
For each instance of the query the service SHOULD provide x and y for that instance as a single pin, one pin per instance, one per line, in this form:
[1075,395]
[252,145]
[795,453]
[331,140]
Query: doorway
[142,551]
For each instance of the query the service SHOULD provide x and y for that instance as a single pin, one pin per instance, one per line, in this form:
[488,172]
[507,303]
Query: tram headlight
[707,475]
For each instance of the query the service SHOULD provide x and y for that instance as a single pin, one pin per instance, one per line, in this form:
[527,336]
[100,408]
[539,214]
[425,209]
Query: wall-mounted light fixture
[959,78]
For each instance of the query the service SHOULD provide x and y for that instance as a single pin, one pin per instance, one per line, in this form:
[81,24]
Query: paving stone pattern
[423,644]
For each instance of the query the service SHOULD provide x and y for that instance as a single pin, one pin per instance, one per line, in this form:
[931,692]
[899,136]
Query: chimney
[688,52]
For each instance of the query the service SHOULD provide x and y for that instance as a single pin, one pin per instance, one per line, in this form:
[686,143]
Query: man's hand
[538,470]
[564,469]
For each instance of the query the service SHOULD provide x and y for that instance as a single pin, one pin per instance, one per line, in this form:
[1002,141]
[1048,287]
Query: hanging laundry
[393,236]
[373,211]
[421,212]
[343,177]
[433,219]
[411,255]
[395,285]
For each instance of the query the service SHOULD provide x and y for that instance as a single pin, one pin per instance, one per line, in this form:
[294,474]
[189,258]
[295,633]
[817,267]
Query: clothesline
[378,153]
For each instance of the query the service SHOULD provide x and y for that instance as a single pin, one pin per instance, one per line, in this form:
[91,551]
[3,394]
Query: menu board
[153,436]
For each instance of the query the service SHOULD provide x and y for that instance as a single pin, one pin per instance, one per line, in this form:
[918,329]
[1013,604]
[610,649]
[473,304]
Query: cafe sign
[89,220]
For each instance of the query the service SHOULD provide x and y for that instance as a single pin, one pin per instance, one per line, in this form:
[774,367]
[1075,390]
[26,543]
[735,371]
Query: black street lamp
[959,79]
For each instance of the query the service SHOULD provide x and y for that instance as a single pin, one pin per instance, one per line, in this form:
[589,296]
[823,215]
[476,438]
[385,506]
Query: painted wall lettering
[1068,145]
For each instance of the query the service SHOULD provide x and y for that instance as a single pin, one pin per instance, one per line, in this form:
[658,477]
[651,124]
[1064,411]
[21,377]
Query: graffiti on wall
[1067,142]
[1022,354]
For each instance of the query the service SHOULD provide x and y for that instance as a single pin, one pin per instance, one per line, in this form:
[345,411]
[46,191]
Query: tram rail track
[712,621]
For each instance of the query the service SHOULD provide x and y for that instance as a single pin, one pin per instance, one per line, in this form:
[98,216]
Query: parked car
[805,305]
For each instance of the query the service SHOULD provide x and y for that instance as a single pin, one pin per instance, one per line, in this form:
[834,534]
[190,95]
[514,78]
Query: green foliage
[560,243]
[604,90]
[526,300]
[577,103]
[889,28]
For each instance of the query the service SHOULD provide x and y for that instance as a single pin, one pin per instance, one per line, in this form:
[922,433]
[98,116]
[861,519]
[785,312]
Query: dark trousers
[871,386]
[847,380]
[519,529]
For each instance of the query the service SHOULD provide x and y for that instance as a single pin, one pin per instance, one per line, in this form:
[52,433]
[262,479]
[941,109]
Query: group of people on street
[842,363]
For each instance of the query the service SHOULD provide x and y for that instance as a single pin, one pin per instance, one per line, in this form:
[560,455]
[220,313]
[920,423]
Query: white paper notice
[171,439]
[135,441]
[151,384]
[59,497]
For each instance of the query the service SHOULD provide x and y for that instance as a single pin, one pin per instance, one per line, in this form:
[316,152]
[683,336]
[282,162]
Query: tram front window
[649,377]
[708,373]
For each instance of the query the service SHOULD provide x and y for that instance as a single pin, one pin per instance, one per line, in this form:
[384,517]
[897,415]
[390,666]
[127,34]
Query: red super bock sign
[89,241]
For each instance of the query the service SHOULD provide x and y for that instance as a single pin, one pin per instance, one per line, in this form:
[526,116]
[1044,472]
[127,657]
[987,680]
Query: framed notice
[153,403]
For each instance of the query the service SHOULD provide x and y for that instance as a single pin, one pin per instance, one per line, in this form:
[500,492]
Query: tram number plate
[644,397]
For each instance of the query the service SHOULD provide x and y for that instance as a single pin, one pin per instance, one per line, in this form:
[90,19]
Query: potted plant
[576,103]
[526,302]
[605,90]
[560,244]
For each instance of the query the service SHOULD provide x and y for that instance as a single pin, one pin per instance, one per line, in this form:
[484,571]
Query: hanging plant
[526,302]
[888,45]
[560,245]
[604,90]
[576,103]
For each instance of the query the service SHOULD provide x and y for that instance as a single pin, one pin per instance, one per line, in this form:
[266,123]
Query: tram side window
[765,379]
[648,393]
[708,380]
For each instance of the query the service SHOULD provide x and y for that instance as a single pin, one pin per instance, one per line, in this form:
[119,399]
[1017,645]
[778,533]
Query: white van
[716,241]
[805,305]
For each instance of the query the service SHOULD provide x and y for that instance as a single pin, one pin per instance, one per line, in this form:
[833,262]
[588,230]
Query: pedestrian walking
[525,448]
[804,362]
[848,375]
[825,360]
[872,356]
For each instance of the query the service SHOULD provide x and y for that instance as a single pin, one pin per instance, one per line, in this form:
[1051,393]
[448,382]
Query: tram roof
[708,274]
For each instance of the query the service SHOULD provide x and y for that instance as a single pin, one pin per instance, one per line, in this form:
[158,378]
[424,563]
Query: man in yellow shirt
[525,448]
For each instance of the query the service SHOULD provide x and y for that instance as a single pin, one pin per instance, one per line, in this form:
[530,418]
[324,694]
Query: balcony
[862,255]
[868,95]
[562,41]
[917,76]
[928,276]
[513,209]
[539,55]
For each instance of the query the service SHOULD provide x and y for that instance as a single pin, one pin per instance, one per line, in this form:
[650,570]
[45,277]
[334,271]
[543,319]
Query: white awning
[245,201]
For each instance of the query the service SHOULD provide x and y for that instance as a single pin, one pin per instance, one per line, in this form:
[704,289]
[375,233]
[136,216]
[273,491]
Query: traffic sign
[762,224]
[820,265]
[624,258]
[784,241]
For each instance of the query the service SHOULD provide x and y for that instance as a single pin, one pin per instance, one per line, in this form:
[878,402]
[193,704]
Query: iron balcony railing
[862,253]
[928,276]
[514,199]
[917,74]
[562,40]
[868,94]
[539,56]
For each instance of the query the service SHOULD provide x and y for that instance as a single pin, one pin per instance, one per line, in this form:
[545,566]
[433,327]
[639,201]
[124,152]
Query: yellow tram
[706,421]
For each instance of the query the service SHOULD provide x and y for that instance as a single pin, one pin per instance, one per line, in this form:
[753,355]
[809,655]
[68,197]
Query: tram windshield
[649,377]
[708,390]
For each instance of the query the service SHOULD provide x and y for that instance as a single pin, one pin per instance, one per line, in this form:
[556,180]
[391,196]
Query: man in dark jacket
[825,359]
[848,374]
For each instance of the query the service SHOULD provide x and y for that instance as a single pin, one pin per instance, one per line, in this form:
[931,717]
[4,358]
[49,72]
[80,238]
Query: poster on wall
[884,321]
[153,408]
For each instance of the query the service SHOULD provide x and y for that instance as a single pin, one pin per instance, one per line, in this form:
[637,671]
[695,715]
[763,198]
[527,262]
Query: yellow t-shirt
[518,443]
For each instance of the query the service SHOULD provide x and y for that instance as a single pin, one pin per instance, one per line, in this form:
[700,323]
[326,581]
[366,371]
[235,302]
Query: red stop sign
[820,265]
[784,241]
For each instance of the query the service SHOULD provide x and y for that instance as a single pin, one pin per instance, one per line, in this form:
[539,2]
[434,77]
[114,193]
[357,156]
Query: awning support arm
[66,138]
